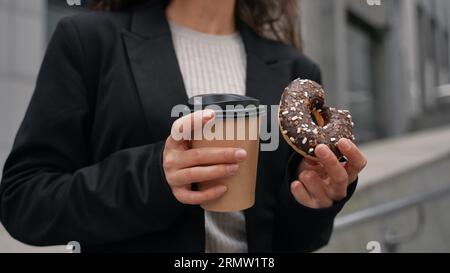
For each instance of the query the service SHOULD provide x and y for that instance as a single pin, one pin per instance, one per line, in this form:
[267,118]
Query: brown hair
[274,19]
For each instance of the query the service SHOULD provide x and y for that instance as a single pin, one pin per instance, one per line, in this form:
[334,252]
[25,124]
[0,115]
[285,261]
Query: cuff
[160,189]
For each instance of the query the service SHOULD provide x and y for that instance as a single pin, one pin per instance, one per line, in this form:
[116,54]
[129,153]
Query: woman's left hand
[324,182]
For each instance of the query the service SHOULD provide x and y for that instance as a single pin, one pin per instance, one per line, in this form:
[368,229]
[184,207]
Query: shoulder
[87,41]
[301,65]
[91,36]
[92,31]
[91,24]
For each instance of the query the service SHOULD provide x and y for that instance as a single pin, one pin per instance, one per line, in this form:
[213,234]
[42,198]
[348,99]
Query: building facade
[387,62]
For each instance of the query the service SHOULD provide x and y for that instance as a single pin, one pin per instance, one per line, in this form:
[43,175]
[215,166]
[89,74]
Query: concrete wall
[23,38]
[22,42]
[398,90]
[324,39]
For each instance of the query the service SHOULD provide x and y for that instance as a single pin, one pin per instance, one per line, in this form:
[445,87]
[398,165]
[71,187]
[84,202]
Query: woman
[94,161]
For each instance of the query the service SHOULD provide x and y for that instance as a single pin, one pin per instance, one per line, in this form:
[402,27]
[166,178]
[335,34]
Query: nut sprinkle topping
[301,101]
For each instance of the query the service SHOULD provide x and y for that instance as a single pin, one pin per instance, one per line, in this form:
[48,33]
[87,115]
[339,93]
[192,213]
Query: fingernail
[233,168]
[344,144]
[240,155]
[222,188]
[208,113]
[306,175]
[321,151]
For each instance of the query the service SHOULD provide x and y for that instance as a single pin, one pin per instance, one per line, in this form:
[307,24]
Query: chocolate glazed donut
[305,121]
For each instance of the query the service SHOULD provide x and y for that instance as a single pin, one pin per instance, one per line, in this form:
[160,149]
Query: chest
[138,91]
[211,64]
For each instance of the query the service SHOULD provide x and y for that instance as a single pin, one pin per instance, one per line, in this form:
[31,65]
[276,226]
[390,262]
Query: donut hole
[317,118]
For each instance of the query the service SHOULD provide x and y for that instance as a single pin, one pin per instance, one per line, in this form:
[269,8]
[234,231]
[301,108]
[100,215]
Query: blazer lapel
[154,65]
[267,77]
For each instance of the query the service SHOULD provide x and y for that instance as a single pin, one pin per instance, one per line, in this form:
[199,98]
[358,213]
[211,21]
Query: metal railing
[390,238]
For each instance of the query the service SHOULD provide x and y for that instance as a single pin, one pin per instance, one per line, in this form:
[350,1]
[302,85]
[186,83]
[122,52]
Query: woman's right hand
[184,166]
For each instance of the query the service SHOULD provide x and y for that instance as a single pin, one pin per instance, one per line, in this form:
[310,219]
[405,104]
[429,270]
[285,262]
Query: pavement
[394,156]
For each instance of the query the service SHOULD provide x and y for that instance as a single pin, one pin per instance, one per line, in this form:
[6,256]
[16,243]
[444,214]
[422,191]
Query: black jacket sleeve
[51,193]
[299,228]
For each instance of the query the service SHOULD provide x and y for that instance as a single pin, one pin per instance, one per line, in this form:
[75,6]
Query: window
[361,80]
[434,59]
[443,56]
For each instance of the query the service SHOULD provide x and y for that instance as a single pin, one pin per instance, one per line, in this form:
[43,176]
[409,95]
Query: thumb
[183,127]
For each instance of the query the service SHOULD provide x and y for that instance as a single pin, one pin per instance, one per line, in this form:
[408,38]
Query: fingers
[310,165]
[356,161]
[314,192]
[333,167]
[189,197]
[183,127]
[330,177]
[311,162]
[301,194]
[201,174]
[209,156]
[317,190]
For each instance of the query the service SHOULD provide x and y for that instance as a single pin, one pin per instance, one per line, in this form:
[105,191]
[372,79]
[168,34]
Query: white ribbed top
[214,64]
[210,63]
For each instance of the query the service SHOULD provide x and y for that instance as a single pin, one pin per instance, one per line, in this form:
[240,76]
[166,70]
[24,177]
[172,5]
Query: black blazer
[86,164]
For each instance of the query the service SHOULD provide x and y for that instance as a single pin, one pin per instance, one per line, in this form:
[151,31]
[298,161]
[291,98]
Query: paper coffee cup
[237,125]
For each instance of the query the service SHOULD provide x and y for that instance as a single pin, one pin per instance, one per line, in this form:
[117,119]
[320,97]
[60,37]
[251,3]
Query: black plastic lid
[248,106]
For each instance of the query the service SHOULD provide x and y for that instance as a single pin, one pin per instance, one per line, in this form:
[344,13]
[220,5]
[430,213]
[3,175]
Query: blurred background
[387,61]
